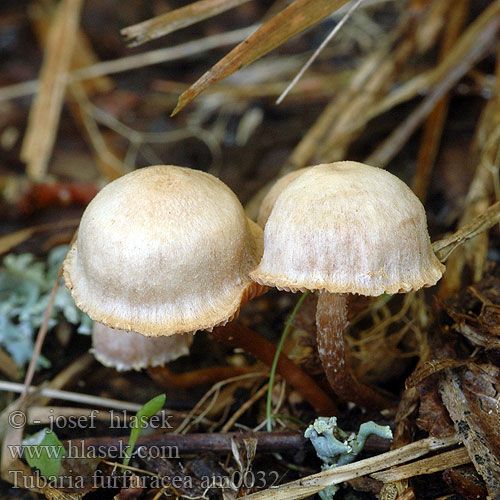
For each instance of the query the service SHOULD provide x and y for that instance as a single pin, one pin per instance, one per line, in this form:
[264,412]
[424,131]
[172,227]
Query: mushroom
[133,351]
[163,250]
[166,250]
[346,228]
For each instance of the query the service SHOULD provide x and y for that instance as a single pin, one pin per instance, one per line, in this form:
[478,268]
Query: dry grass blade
[46,109]
[470,48]
[482,190]
[318,51]
[431,136]
[172,21]
[443,248]
[11,240]
[440,462]
[313,484]
[83,53]
[297,17]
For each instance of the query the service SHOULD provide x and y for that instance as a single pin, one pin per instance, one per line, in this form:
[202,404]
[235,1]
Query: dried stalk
[310,485]
[471,47]
[136,61]
[440,462]
[480,192]
[431,136]
[46,109]
[443,248]
[172,21]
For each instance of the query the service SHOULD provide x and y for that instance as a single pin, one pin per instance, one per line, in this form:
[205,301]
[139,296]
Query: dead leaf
[432,414]
[294,19]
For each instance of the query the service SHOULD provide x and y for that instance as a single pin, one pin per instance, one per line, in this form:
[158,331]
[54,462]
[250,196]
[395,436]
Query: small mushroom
[133,351]
[166,250]
[346,228]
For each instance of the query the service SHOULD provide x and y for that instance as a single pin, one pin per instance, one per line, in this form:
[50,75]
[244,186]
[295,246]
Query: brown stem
[165,378]
[240,336]
[331,322]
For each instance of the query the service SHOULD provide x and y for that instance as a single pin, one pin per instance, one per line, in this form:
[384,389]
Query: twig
[165,378]
[443,248]
[204,442]
[318,51]
[37,349]
[215,390]
[440,462]
[72,396]
[486,148]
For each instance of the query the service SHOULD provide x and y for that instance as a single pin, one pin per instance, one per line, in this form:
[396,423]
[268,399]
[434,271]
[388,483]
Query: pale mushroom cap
[270,199]
[163,250]
[133,351]
[346,227]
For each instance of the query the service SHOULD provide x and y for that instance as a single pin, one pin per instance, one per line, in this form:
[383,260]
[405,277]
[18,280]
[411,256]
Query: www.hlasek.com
[113,418]
[234,481]
[77,450]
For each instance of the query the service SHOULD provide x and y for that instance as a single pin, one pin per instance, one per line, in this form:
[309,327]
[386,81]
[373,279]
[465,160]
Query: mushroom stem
[165,378]
[238,335]
[331,323]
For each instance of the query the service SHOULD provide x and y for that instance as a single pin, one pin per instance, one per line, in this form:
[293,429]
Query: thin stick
[202,442]
[128,63]
[37,349]
[71,396]
[318,51]
[440,462]
[443,248]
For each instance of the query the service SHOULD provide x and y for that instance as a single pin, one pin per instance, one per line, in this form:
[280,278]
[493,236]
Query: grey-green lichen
[335,447]
[25,287]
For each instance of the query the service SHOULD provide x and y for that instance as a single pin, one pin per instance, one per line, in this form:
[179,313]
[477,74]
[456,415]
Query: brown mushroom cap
[133,351]
[272,195]
[346,227]
[163,250]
